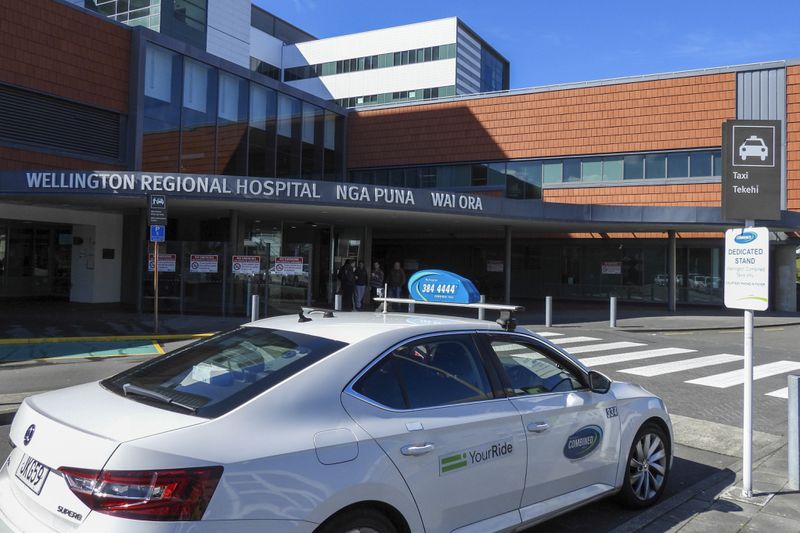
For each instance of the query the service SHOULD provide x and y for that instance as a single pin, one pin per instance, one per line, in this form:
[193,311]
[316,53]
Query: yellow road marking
[158,348]
[121,338]
[81,356]
[773,329]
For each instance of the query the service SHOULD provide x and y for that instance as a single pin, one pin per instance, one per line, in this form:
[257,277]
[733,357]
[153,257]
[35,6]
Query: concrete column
[507,266]
[785,275]
[672,267]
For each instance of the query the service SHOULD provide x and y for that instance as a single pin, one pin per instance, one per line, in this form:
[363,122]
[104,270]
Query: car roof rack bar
[490,307]
[506,320]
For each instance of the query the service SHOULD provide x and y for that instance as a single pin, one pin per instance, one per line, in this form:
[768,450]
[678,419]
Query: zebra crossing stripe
[633,356]
[685,364]
[508,347]
[736,377]
[549,334]
[604,347]
[780,393]
[570,340]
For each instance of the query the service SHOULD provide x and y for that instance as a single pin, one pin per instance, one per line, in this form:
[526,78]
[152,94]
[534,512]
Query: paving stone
[736,508]
[785,504]
[765,522]
[716,521]
[662,525]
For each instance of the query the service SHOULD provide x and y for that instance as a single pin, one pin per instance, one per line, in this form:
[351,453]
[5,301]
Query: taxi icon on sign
[754,146]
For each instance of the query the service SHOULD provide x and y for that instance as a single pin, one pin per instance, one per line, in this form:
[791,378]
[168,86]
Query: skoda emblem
[29,434]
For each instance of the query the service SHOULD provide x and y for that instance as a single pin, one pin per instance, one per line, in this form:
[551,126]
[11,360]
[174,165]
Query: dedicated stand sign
[157,217]
[751,189]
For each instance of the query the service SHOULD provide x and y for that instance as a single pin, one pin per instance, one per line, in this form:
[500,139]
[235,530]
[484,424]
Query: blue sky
[558,41]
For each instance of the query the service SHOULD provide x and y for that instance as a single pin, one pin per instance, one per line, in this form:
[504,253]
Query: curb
[114,338]
[642,520]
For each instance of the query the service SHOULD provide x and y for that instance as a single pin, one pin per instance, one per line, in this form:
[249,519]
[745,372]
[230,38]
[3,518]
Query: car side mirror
[598,382]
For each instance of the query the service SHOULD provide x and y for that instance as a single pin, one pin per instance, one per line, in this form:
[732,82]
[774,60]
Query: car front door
[436,407]
[573,433]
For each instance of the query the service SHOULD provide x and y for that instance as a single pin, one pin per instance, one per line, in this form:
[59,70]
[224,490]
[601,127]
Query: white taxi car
[353,422]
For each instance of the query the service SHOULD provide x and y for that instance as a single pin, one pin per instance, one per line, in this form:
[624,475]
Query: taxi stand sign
[747,269]
[747,287]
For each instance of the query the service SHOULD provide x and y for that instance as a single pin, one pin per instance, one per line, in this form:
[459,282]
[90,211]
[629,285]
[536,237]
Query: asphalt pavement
[692,359]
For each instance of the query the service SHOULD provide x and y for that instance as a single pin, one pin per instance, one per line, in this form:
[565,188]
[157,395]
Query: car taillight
[145,494]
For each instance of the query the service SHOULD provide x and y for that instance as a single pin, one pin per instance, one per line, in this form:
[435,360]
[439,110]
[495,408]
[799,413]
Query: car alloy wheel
[647,469]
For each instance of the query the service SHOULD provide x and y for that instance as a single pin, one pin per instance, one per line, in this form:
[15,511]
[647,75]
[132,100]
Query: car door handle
[417,449]
[538,427]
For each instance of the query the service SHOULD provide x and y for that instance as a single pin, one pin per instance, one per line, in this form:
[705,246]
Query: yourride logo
[474,456]
[583,442]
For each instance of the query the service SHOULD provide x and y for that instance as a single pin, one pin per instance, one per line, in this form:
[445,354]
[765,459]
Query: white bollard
[612,321]
[482,311]
[548,311]
[337,302]
[794,433]
[254,307]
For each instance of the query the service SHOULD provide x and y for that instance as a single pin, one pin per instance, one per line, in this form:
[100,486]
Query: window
[225,371]
[592,169]
[613,168]
[524,179]
[678,165]
[654,166]
[634,167]
[438,371]
[551,172]
[530,371]
[700,164]
[572,170]
[717,164]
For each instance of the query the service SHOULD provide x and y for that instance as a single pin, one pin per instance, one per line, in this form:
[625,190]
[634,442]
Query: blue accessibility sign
[157,233]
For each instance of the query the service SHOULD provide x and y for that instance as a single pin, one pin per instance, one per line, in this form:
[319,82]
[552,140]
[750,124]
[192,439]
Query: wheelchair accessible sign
[747,269]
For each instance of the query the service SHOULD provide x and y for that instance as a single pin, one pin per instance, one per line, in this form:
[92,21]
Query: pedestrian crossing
[671,361]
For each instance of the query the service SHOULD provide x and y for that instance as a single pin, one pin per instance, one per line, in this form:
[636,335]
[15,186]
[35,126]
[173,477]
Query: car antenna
[303,318]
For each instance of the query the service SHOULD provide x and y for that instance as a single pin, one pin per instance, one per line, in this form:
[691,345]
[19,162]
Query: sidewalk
[30,320]
[716,504]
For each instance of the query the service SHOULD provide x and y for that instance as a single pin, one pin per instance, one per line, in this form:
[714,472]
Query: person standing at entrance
[347,283]
[397,280]
[360,276]
[376,281]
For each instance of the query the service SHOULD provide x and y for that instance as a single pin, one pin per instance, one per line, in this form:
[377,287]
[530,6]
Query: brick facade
[60,50]
[793,137]
[667,114]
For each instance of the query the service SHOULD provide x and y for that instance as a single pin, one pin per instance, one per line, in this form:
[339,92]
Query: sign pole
[747,425]
[155,287]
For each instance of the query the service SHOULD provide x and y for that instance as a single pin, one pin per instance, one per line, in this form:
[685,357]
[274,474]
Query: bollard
[254,307]
[794,433]
[337,302]
[612,322]
[548,311]
[482,311]
[410,308]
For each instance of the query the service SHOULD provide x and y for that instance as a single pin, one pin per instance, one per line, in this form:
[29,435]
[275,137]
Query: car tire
[647,467]
[360,520]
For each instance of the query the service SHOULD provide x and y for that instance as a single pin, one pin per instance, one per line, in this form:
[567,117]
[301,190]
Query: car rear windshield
[213,376]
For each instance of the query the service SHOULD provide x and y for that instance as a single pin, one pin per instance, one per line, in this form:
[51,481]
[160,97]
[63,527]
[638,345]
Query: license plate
[32,473]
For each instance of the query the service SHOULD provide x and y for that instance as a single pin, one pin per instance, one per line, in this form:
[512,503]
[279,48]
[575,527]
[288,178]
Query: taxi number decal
[611,412]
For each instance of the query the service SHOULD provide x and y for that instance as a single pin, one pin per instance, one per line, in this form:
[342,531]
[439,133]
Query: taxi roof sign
[442,286]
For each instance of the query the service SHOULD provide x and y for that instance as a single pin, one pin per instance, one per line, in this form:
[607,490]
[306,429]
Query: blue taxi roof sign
[442,286]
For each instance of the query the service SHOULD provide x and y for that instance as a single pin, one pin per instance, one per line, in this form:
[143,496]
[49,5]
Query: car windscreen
[214,376]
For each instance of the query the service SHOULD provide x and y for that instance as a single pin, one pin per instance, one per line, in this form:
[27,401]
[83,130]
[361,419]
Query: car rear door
[573,434]
[434,407]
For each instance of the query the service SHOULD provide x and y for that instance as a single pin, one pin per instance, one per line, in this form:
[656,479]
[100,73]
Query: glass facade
[357,64]
[277,27]
[262,67]
[493,72]
[398,96]
[185,20]
[199,119]
[524,179]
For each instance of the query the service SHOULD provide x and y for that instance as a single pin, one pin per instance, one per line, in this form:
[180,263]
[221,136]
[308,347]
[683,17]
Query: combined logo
[583,442]
[745,237]
[474,456]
